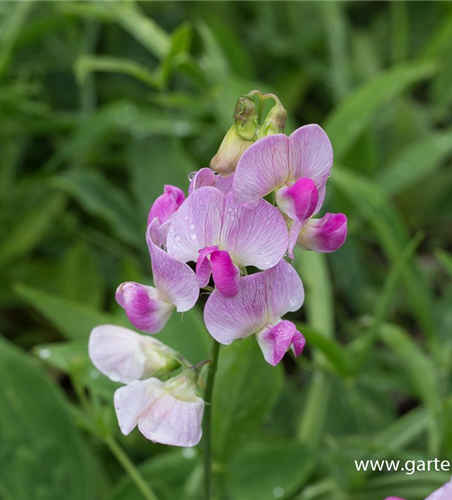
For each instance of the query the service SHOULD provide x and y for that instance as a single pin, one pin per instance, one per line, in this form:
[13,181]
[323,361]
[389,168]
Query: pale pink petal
[197,224]
[175,281]
[253,237]
[166,204]
[134,399]
[293,236]
[231,318]
[323,235]
[124,356]
[203,267]
[299,200]
[225,184]
[285,290]
[225,274]
[144,306]
[311,153]
[262,298]
[263,167]
[444,493]
[201,178]
[276,339]
[172,421]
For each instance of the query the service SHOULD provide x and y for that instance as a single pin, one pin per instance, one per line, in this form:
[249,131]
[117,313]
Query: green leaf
[280,467]
[246,389]
[102,199]
[42,455]
[347,122]
[31,228]
[416,162]
[71,319]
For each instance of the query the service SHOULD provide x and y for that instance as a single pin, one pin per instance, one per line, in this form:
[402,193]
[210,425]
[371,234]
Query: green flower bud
[275,121]
[238,138]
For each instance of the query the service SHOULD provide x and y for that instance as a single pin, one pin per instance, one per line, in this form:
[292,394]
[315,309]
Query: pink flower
[323,235]
[295,167]
[263,298]
[206,177]
[444,493]
[163,208]
[221,236]
[165,412]
[123,355]
[149,308]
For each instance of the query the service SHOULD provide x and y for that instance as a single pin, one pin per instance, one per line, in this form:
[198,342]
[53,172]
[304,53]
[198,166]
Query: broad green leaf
[246,389]
[346,123]
[102,199]
[72,319]
[280,468]
[42,454]
[416,162]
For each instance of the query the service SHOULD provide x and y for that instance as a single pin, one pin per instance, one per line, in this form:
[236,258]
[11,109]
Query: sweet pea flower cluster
[229,241]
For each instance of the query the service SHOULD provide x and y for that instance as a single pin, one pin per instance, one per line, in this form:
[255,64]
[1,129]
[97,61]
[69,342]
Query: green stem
[130,468]
[207,427]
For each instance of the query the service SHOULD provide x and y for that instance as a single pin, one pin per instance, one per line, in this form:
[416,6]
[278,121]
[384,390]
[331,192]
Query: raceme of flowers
[225,239]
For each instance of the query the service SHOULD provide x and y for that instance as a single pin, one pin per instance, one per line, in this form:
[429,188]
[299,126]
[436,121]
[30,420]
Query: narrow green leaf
[347,122]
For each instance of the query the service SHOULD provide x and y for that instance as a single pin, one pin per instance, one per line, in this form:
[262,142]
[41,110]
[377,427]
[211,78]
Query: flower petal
[253,237]
[323,235]
[225,274]
[144,306]
[166,204]
[169,420]
[276,339]
[175,281]
[197,224]
[262,298]
[203,267]
[444,493]
[263,167]
[123,355]
[298,201]
[311,154]
[206,177]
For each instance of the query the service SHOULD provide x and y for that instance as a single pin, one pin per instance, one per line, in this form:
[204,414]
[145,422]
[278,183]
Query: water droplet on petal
[177,237]
[193,236]
[202,206]
[192,226]
[191,175]
[260,286]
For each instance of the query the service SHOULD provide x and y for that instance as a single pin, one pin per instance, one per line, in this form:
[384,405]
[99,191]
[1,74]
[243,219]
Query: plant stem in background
[130,468]
[207,429]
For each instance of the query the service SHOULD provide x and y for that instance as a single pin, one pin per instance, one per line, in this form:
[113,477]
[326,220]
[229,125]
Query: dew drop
[278,492]
[191,175]
[202,206]
[188,453]
[177,237]
[45,353]
[192,226]
[193,236]
[260,286]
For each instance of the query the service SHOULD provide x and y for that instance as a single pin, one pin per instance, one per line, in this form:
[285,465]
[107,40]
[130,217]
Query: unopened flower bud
[238,138]
[275,122]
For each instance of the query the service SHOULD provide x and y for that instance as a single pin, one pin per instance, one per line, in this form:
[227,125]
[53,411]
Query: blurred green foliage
[101,103]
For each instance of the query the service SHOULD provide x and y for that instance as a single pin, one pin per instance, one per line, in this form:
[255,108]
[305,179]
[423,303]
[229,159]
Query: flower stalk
[207,428]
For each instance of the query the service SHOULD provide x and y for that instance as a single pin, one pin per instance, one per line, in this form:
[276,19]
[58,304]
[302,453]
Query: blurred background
[101,103]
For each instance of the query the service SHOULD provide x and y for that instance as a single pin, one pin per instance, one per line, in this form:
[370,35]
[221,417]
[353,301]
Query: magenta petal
[298,201]
[262,298]
[175,281]
[225,274]
[203,267]
[324,235]
[276,339]
[263,167]
[166,204]
[253,237]
[144,306]
[311,154]
[298,343]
